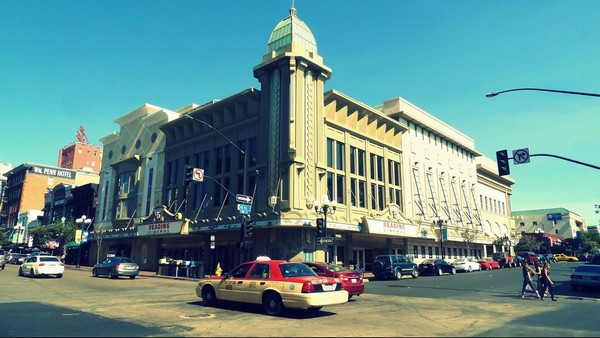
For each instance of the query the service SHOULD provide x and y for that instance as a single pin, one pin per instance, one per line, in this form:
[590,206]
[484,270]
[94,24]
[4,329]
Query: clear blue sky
[66,63]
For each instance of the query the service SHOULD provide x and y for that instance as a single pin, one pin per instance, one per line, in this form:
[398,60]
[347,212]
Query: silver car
[585,275]
[113,267]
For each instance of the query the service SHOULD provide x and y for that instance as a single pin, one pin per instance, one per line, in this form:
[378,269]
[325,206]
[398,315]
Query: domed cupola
[292,35]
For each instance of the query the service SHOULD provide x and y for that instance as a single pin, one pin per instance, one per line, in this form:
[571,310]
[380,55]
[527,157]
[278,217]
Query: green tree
[587,242]
[3,238]
[469,237]
[528,243]
[40,235]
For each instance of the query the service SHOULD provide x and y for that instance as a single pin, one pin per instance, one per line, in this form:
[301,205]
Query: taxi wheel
[272,304]
[208,296]
[31,273]
[21,272]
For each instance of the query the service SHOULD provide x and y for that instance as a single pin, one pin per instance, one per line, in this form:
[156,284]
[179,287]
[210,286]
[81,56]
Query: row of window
[448,253]
[357,162]
[492,205]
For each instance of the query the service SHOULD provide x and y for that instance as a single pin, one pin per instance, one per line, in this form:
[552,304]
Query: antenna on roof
[293,10]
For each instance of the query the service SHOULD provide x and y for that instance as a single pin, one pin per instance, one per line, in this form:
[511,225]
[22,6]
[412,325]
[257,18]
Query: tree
[469,237]
[40,235]
[528,243]
[64,233]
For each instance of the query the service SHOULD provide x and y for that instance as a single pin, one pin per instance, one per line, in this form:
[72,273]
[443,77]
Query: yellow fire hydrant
[218,270]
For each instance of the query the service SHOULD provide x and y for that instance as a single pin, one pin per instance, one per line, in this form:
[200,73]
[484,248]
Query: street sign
[243,199]
[521,156]
[244,208]
[325,240]
[198,175]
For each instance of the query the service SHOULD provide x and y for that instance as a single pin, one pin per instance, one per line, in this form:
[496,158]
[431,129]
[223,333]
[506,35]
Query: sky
[71,63]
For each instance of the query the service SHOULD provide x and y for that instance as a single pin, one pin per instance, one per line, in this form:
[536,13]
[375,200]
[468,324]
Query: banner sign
[56,172]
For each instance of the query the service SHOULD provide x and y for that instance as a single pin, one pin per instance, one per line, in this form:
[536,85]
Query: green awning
[71,245]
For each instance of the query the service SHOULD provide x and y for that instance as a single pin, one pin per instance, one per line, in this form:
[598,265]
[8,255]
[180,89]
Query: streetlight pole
[440,223]
[245,174]
[326,207]
[83,220]
[492,94]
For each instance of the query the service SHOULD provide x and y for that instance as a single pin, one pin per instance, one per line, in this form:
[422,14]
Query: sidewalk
[367,275]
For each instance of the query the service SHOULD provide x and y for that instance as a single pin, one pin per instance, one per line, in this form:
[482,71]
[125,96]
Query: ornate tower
[292,77]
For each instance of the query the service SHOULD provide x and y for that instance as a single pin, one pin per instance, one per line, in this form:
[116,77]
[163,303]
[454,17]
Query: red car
[488,264]
[351,281]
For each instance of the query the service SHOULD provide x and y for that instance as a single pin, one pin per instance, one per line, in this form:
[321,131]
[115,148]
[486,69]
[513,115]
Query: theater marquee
[162,228]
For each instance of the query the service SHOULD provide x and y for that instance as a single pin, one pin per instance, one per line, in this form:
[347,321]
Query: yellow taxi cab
[276,284]
[565,258]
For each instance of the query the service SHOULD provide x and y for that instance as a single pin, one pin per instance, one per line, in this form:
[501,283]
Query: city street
[466,304]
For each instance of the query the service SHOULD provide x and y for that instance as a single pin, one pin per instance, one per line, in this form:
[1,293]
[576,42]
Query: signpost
[325,240]
[243,199]
[244,208]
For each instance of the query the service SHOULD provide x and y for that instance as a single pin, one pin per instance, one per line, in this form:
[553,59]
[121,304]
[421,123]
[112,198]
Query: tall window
[377,184]
[335,170]
[149,193]
[124,194]
[358,183]
[394,182]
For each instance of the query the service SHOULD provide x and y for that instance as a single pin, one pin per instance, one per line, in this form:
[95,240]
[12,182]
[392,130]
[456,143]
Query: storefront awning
[71,245]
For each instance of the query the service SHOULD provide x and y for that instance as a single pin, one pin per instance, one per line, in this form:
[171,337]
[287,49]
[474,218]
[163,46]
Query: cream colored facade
[132,173]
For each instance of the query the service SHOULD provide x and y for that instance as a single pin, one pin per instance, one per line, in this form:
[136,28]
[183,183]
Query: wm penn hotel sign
[54,172]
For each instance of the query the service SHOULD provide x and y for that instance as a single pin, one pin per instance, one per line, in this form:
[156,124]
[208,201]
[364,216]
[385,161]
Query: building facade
[388,179]
[131,182]
[78,155]
[553,221]
[27,184]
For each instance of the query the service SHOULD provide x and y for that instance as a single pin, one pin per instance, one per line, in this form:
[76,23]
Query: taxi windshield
[296,270]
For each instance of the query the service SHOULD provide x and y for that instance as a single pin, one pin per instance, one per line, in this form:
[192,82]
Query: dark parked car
[394,266]
[113,267]
[504,259]
[595,259]
[351,280]
[16,258]
[436,267]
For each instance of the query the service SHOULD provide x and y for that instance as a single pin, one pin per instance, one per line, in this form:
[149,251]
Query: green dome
[292,29]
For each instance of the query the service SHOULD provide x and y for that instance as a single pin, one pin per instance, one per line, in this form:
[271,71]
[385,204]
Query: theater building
[385,179]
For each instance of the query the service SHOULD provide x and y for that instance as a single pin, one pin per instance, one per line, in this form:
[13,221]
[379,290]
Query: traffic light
[249,228]
[189,172]
[243,229]
[320,227]
[502,159]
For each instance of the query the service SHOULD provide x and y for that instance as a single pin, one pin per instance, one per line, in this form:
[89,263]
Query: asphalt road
[467,304]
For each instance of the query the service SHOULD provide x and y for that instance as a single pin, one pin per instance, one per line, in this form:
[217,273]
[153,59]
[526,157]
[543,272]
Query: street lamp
[492,94]
[441,223]
[83,220]
[539,235]
[325,207]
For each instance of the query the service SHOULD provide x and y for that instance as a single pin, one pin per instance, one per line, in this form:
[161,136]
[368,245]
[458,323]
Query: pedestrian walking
[547,282]
[528,272]
[538,272]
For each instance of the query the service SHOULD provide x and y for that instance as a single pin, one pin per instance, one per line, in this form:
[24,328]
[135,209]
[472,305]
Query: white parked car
[466,264]
[42,266]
